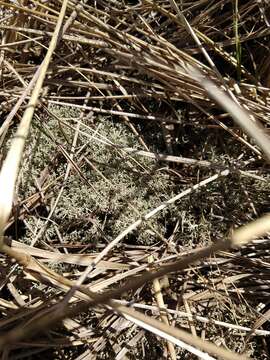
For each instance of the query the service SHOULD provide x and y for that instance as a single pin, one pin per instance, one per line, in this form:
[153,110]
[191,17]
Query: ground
[131,165]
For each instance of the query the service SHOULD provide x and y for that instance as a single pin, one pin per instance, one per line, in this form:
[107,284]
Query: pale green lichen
[112,188]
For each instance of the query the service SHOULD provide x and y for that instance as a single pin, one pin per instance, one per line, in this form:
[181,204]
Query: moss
[110,188]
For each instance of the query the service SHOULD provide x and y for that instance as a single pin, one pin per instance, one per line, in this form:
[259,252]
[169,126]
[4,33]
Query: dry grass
[134,203]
